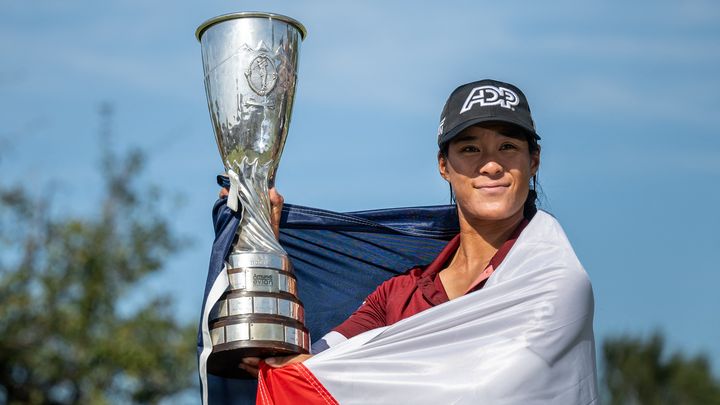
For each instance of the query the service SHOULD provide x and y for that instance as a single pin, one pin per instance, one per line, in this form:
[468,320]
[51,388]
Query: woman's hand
[276,205]
[250,364]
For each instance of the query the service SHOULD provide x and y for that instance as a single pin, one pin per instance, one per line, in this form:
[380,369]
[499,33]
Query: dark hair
[513,131]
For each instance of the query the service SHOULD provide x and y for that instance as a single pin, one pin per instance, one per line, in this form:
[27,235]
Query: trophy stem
[255,233]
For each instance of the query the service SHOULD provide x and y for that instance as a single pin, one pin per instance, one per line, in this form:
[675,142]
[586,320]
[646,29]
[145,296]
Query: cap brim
[448,136]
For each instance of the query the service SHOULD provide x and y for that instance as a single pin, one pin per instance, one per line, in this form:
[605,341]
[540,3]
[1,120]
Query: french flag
[525,338]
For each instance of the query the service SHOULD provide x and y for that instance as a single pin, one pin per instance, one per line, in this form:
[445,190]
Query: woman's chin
[492,212]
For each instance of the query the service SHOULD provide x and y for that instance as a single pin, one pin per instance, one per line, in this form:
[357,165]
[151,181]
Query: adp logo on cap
[489,96]
[483,101]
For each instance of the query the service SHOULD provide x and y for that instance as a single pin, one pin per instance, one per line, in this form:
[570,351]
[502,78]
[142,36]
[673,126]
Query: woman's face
[489,172]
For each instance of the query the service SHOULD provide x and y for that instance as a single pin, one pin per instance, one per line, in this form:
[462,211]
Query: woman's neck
[480,240]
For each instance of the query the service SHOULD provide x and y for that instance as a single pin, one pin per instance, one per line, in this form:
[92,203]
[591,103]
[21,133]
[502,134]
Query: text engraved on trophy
[262,75]
[259,262]
[263,281]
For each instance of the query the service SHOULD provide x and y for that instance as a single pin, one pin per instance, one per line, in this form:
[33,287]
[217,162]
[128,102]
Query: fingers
[250,365]
[276,199]
[223,190]
[284,361]
[251,361]
[276,205]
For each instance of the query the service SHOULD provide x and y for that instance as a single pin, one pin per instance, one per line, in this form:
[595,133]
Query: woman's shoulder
[544,241]
[543,253]
[546,259]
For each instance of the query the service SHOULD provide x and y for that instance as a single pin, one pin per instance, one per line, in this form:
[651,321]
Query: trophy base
[254,335]
[225,358]
[258,316]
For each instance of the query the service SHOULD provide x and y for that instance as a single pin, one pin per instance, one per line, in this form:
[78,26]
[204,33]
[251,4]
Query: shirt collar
[427,281]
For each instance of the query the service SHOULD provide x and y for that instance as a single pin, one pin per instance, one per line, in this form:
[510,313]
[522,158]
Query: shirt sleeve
[370,315]
[330,339]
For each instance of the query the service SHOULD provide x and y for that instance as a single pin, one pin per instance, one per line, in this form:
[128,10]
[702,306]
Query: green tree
[63,339]
[638,371]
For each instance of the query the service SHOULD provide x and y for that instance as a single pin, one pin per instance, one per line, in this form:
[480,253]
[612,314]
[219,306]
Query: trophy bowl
[250,66]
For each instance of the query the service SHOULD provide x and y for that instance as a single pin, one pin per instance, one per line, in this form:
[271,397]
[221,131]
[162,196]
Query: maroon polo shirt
[418,289]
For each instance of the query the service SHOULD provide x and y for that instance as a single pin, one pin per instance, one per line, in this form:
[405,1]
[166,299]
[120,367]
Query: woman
[488,153]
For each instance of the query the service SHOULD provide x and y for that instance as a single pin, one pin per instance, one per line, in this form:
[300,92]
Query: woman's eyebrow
[466,137]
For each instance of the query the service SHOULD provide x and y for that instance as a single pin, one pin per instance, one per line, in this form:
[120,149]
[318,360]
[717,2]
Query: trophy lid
[245,14]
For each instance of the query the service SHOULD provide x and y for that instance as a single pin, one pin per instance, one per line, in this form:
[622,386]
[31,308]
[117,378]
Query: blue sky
[624,95]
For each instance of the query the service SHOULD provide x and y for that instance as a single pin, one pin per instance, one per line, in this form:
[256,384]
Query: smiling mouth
[492,187]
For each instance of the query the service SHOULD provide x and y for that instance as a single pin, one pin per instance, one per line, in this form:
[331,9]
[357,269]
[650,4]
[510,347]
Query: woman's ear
[442,165]
[534,163]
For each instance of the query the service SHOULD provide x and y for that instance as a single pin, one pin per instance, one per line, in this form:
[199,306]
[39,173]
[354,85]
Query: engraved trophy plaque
[250,66]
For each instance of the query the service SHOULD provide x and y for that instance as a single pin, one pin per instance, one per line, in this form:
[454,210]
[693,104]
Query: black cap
[484,101]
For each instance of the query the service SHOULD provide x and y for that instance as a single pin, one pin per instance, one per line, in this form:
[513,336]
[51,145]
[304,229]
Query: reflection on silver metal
[236,332]
[242,305]
[237,281]
[217,335]
[259,331]
[248,14]
[257,305]
[267,331]
[258,259]
[250,65]
[262,279]
[293,336]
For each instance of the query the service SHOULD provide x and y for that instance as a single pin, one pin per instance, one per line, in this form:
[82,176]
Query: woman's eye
[507,146]
[469,148]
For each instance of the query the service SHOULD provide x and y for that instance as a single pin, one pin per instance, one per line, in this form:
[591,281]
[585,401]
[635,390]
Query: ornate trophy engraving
[250,65]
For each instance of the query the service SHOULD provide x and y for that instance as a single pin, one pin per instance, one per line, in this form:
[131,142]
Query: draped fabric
[525,338]
[339,259]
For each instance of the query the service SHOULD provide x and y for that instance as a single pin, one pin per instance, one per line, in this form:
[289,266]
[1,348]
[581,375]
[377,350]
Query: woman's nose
[491,167]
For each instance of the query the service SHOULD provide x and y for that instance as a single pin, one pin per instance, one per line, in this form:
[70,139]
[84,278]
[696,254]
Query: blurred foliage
[63,337]
[638,371]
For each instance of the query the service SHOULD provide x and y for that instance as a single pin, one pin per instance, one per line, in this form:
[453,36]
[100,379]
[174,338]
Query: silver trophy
[250,65]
